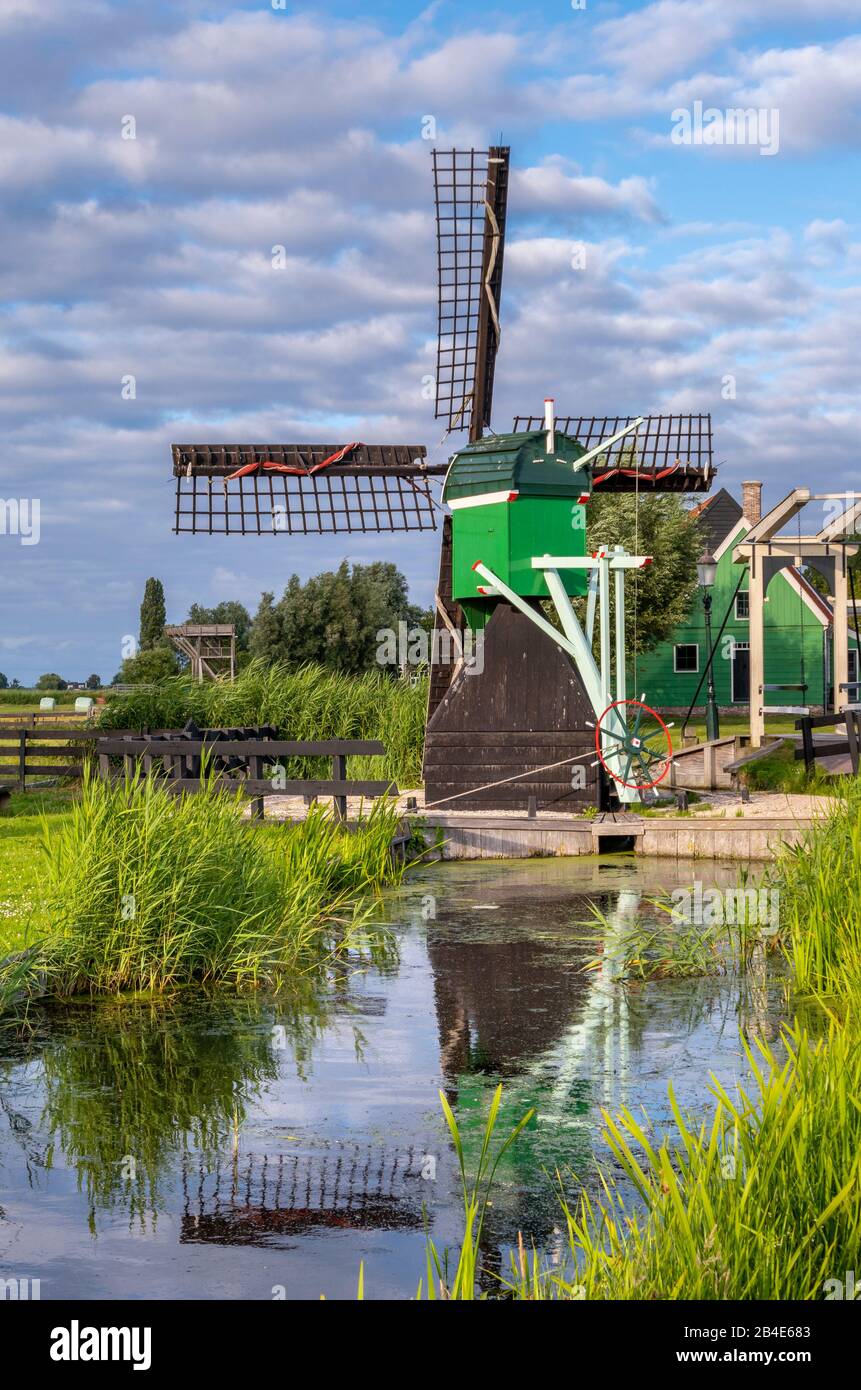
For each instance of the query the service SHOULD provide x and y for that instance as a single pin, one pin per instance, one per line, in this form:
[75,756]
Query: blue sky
[302,127]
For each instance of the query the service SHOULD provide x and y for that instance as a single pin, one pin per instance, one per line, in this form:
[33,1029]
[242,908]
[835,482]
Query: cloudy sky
[258,126]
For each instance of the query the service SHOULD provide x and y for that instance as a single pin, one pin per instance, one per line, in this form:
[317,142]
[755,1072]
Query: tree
[93,682]
[4,683]
[50,681]
[265,637]
[153,615]
[333,618]
[148,667]
[227,612]
[658,598]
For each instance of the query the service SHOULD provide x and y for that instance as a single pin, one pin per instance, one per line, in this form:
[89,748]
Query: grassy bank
[308,703]
[23,915]
[762,1201]
[140,890]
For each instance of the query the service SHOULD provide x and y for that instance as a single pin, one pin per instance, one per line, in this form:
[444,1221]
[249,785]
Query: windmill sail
[303,489]
[671,452]
[471,195]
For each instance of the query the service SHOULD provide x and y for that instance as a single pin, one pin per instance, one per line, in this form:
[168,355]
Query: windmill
[537,719]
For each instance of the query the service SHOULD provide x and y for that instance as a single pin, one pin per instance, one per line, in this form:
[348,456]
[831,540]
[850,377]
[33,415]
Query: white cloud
[153,257]
[552,185]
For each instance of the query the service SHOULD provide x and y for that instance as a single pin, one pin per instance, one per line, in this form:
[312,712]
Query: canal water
[240,1148]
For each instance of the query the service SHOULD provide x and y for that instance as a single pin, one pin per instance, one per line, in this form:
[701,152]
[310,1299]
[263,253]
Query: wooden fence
[27,752]
[178,761]
[850,743]
[57,718]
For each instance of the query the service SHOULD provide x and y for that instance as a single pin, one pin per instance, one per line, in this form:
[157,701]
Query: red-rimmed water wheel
[633,744]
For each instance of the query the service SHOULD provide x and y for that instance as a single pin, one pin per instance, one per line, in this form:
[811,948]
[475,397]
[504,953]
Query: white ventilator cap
[549,424]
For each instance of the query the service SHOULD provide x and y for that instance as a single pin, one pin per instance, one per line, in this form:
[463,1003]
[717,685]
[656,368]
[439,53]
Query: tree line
[332,619]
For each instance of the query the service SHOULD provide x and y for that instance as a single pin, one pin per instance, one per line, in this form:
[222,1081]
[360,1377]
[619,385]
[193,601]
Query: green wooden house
[797,627]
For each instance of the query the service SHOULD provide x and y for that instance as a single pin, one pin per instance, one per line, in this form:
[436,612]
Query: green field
[22,917]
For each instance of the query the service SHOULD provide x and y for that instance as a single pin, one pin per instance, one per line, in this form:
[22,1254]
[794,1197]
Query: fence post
[22,760]
[807,743]
[255,767]
[339,774]
[853,728]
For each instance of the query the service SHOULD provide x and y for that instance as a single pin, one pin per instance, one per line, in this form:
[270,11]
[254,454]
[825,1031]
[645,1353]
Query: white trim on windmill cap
[483,499]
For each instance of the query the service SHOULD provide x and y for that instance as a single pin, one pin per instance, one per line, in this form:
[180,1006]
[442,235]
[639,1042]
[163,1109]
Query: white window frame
[742,617]
[688,671]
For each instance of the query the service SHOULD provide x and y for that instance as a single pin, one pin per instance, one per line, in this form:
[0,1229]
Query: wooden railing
[26,752]
[850,743]
[35,719]
[180,762]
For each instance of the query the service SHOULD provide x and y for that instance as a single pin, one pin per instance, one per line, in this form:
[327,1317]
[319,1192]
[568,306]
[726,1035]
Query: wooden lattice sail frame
[303,489]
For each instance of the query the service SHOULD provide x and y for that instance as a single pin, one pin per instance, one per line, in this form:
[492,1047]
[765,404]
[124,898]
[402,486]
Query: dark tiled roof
[717,516]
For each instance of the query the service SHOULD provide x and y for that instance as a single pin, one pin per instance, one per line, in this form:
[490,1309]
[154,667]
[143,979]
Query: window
[742,606]
[853,674]
[686,656]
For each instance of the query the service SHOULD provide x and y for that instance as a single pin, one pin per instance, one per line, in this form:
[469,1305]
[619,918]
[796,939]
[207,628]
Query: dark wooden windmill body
[507,732]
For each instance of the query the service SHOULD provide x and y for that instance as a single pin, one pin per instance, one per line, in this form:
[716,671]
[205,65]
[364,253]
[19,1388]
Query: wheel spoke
[644,766]
[611,733]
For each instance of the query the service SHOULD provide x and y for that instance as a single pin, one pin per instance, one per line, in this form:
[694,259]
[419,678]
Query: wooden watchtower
[210,648]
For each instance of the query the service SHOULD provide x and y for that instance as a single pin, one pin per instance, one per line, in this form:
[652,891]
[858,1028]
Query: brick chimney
[751,502]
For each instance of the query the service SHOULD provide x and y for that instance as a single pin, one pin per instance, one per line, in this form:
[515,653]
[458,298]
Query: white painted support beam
[807,546]
[590,562]
[849,520]
[756,637]
[604,626]
[771,523]
[591,603]
[571,639]
[840,630]
[621,677]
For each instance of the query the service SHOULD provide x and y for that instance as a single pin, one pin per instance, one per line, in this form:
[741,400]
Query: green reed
[820,901]
[148,891]
[309,702]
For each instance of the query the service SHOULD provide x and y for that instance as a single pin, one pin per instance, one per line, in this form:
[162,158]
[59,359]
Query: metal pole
[712,721]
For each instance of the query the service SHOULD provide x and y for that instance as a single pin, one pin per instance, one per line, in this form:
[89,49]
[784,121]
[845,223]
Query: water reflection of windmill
[513,1001]
[257,1199]
[492,989]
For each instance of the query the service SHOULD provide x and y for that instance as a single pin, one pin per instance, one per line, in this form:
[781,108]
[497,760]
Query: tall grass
[310,702]
[820,901]
[147,891]
[763,1202]
[461,1283]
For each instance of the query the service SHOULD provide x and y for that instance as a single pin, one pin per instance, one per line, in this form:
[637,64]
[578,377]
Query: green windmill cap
[518,463]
